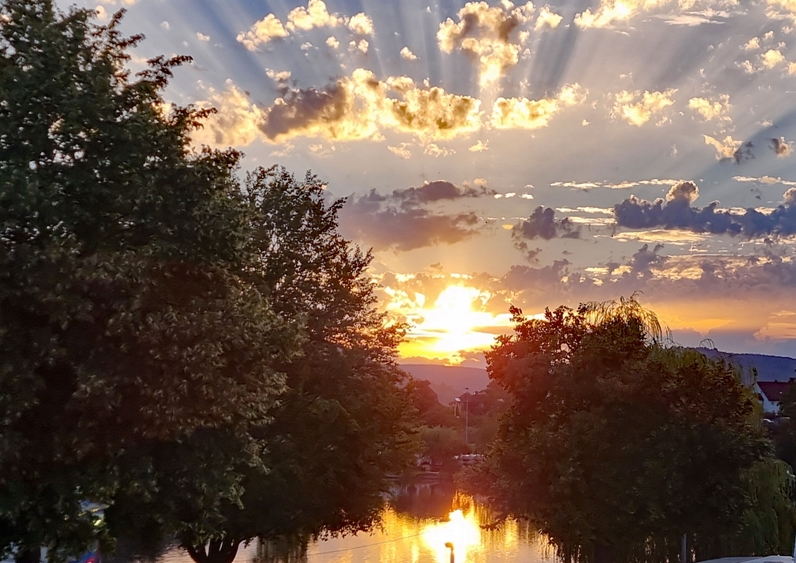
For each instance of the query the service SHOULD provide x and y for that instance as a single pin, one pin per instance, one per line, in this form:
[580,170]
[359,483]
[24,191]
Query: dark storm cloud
[400,220]
[543,224]
[676,212]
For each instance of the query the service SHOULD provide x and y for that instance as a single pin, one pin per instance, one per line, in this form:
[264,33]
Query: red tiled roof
[773,390]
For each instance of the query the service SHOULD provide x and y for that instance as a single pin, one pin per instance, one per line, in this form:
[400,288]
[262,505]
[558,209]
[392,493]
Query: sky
[535,155]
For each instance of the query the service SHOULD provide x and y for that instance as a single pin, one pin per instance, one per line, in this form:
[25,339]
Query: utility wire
[366,545]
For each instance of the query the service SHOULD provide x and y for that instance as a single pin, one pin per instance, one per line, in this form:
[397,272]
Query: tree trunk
[603,553]
[215,551]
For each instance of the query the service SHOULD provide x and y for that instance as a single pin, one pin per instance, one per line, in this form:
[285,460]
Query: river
[415,529]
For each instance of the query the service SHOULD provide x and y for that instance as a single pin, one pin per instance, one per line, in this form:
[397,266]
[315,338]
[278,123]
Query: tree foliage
[345,421]
[143,342]
[615,445]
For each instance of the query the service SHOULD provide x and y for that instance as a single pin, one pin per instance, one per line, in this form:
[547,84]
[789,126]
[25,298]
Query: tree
[785,430]
[132,317]
[616,445]
[442,444]
[344,422]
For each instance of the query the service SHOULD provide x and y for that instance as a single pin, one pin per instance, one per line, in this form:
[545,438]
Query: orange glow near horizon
[456,322]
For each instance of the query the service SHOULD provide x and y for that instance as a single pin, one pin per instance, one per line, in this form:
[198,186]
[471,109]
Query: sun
[457,321]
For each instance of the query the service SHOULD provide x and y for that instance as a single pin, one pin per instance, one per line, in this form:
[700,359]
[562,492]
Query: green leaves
[614,443]
[129,316]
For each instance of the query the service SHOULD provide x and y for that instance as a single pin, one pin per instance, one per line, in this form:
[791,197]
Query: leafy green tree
[785,431]
[132,316]
[430,411]
[616,445]
[442,443]
[345,420]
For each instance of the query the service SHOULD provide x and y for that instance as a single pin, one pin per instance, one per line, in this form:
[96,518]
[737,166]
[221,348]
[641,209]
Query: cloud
[434,150]
[479,146]
[402,221]
[433,192]
[765,180]
[543,224]
[611,11]
[360,106]
[314,15]
[262,32]
[300,19]
[484,33]
[402,150]
[522,113]
[752,45]
[236,124]
[361,24]
[548,19]
[277,76]
[202,36]
[676,212]
[615,185]
[716,109]
[730,149]
[407,54]
[361,46]
[772,58]
[637,108]
[781,146]
[785,5]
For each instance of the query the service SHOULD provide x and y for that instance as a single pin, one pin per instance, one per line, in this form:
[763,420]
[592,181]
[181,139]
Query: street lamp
[449,545]
[467,417]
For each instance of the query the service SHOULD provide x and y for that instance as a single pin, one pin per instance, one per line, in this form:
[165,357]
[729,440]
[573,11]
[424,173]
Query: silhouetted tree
[616,445]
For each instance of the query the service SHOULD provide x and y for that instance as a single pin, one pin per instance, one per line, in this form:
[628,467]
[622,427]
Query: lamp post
[467,417]
[449,545]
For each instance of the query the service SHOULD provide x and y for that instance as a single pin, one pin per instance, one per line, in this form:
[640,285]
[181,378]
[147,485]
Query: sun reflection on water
[460,530]
[403,538]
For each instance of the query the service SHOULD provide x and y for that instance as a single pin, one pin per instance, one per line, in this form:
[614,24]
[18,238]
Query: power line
[367,545]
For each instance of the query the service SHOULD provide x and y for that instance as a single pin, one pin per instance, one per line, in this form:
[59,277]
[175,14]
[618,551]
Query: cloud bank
[676,212]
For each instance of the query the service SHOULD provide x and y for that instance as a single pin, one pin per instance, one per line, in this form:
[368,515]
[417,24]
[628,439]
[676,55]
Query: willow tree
[616,443]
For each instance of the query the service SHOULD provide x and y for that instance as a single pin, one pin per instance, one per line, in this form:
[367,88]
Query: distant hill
[769,368]
[448,382]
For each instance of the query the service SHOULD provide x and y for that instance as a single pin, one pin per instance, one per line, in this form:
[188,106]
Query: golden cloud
[314,15]
[548,19]
[637,108]
[612,11]
[787,5]
[725,148]
[708,109]
[236,124]
[360,106]
[522,113]
[262,32]
[772,58]
[361,24]
[484,31]
[406,53]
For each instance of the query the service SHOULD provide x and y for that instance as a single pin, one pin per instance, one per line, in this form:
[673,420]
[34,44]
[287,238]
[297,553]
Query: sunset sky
[529,154]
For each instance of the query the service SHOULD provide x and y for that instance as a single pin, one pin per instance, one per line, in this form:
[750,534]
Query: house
[770,393]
